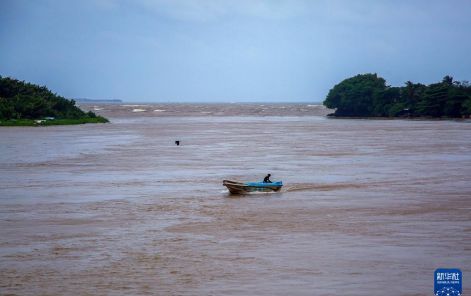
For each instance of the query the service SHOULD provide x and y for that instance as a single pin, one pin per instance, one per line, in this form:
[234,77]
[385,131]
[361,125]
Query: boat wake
[321,187]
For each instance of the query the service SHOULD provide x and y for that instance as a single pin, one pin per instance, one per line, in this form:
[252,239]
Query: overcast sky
[209,51]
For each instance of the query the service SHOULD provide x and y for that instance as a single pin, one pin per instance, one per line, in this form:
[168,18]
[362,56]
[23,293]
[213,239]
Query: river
[369,207]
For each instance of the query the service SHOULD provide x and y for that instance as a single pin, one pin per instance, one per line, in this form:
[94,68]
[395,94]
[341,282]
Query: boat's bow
[235,187]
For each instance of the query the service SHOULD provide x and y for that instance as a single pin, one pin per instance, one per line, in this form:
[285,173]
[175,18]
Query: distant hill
[368,95]
[23,103]
[85,100]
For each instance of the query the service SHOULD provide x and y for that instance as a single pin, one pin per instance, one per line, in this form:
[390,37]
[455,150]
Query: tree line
[367,95]
[23,100]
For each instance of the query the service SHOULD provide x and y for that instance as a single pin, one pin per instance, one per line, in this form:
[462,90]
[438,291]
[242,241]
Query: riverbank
[463,118]
[27,104]
[48,122]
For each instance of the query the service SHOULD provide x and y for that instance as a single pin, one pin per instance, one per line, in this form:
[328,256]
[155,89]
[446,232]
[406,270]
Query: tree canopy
[367,95]
[22,100]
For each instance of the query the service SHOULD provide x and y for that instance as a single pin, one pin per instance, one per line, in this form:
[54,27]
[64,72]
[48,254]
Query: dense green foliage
[368,95]
[22,103]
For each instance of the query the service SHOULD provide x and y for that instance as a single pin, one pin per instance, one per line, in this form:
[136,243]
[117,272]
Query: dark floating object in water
[242,188]
[177,143]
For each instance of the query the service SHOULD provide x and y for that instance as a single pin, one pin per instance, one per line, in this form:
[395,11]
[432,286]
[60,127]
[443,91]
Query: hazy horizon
[241,101]
[229,51]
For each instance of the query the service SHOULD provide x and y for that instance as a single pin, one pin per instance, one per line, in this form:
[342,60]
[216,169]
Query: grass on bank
[47,122]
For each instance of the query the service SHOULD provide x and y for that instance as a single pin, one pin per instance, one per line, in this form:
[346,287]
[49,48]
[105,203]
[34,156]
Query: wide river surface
[369,207]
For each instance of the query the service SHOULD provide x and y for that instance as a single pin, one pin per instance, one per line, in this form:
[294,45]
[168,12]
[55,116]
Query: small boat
[242,188]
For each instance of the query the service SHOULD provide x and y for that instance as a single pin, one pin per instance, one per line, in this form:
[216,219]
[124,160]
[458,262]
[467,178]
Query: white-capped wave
[139,110]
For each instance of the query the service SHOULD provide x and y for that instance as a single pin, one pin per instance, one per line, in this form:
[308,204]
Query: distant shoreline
[83,100]
[418,118]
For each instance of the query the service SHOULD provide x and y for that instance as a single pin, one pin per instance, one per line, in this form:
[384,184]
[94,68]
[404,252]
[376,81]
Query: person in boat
[267,179]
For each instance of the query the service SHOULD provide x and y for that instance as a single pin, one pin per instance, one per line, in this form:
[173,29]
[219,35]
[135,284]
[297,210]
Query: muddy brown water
[369,207]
